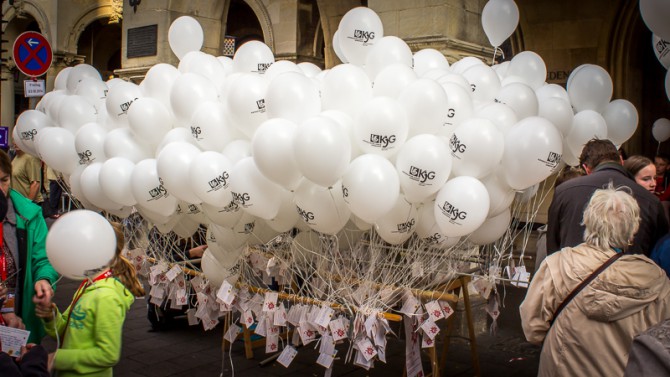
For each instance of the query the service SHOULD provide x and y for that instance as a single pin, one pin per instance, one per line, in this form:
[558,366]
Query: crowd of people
[598,288]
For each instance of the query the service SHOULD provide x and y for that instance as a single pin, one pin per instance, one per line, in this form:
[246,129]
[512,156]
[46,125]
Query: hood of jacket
[114,285]
[626,287]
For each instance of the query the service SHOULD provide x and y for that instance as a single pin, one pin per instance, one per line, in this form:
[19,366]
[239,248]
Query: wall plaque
[142,41]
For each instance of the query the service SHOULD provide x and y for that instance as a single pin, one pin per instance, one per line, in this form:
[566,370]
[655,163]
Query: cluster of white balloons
[401,142]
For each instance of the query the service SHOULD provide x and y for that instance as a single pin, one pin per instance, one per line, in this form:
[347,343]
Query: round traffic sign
[32,54]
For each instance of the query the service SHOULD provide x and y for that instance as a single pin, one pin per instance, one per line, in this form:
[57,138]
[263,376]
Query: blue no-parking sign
[32,54]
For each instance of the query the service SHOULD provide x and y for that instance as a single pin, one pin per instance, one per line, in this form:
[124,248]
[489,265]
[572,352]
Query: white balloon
[528,66]
[217,273]
[119,99]
[56,148]
[492,229]
[226,216]
[428,231]
[533,150]
[253,57]
[462,65]
[520,97]
[322,150]
[78,73]
[459,106]
[115,180]
[397,226]
[428,59]
[360,28]
[337,48]
[370,187]
[621,118]
[280,67]
[309,69]
[121,143]
[426,104]
[237,150]
[499,19]
[500,194]
[94,91]
[484,82]
[75,112]
[149,120]
[60,83]
[90,187]
[149,191]
[209,176]
[322,209]
[272,147]
[590,88]
[381,127]
[211,127]
[655,14]
[345,87]
[500,114]
[246,102]
[287,217]
[551,91]
[586,125]
[386,51]
[80,244]
[173,165]
[158,82]
[292,96]
[423,165]
[661,129]
[185,34]
[28,126]
[558,111]
[391,80]
[178,134]
[476,148]
[188,92]
[253,192]
[461,206]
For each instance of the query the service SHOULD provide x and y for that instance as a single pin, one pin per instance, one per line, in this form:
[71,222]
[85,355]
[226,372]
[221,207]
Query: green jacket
[31,232]
[91,340]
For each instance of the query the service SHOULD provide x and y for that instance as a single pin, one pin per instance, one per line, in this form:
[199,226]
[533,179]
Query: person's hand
[43,293]
[45,312]
[14,321]
[197,252]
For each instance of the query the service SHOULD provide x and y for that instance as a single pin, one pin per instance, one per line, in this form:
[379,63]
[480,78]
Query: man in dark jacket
[602,163]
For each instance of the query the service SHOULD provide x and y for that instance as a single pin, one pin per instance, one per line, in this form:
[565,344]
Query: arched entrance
[242,23]
[100,44]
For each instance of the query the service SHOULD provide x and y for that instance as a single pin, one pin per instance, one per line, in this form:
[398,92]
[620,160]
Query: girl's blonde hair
[122,268]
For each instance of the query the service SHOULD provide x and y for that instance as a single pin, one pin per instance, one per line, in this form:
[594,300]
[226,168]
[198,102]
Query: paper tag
[337,329]
[361,361]
[483,287]
[307,335]
[272,343]
[173,273]
[325,360]
[434,310]
[521,277]
[280,315]
[210,323]
[232,333]
[367,349]
[446,309]
[417,270]
[327,345]
[262,327]
[286,357]
[247,318]
[192,319]
[381,354]
[180,297]
[270,303]
[430,328]
[157,291]
[226,293]
[324,316]
[427,342]
[197,283]
[410,305]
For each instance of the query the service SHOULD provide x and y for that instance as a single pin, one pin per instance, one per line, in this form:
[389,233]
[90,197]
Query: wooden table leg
[471,327]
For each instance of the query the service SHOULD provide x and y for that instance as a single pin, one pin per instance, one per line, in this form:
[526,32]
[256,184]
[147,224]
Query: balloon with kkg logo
[461,206]
[397,225]
[476,148]
[322,209]
[423,165]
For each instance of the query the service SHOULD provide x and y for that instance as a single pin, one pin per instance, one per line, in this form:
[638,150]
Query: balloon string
[495,52]
[658,149]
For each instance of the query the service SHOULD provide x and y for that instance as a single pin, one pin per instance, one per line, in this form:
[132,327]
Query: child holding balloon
[89,331]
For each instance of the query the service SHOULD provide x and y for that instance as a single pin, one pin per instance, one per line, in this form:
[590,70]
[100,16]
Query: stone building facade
[609,33]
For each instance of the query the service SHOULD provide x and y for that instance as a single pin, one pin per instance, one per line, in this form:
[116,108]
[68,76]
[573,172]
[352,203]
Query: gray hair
[612,218]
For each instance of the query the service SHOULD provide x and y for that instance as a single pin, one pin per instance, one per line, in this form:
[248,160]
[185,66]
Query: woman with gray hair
[586,303]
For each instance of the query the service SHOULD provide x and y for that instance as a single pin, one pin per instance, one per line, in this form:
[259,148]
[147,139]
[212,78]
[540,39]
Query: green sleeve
[109,314]
[56,325]
[42,269]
